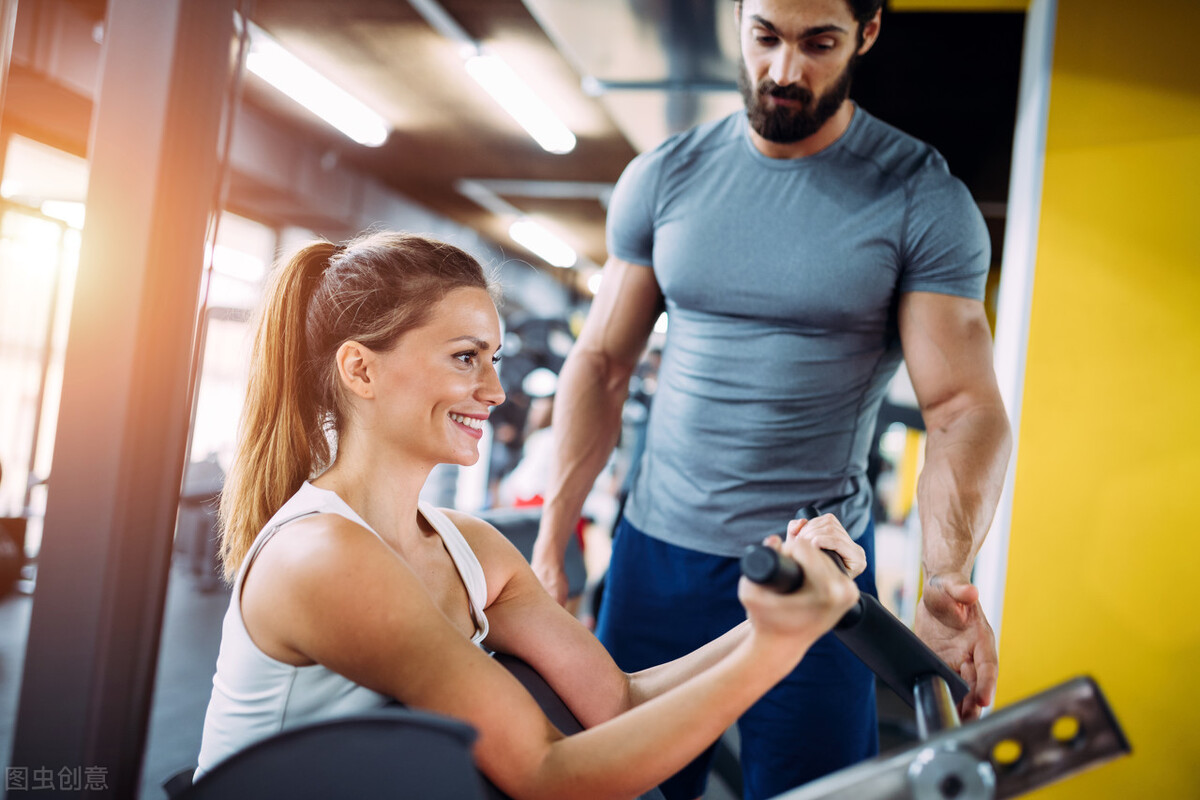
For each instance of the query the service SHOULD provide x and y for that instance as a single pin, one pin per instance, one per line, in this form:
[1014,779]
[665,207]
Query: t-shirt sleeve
[630,226]
[946,245]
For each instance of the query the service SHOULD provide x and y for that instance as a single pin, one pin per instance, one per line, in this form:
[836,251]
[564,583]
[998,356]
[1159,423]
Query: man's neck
[826,135]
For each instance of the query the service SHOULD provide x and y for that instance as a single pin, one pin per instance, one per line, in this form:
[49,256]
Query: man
[801,250]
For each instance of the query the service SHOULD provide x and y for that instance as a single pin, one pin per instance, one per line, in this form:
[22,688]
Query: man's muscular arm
[948,350]
[587,409]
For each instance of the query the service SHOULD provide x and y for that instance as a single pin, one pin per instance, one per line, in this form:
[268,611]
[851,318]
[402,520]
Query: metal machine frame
[1021,747]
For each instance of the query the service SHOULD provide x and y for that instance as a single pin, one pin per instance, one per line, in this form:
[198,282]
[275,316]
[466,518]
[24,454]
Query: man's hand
[552,573]
[951,621]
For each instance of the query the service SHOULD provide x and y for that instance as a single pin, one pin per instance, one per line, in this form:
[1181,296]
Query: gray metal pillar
[118,458]
[8,26]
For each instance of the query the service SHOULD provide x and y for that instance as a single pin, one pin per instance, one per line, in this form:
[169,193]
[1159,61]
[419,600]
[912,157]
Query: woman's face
[436,387]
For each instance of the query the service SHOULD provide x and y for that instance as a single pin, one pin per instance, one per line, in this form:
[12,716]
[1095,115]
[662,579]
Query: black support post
[114,486]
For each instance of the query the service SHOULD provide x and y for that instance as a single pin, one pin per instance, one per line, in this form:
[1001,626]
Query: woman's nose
[492,391]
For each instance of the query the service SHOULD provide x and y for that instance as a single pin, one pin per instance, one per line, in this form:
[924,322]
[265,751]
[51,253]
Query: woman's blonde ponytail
[281,441]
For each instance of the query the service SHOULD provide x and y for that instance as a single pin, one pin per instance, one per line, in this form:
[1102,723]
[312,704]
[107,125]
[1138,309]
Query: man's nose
[786,67]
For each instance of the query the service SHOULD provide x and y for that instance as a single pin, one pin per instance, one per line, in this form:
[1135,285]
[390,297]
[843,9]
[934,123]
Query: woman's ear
[356,368]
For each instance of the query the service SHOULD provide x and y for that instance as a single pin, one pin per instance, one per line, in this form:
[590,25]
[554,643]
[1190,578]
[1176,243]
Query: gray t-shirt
[781,280]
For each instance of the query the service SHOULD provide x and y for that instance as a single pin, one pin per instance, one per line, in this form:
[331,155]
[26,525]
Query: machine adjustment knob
[946,773]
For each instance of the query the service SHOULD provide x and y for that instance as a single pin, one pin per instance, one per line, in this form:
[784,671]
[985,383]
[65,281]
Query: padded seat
[394,753]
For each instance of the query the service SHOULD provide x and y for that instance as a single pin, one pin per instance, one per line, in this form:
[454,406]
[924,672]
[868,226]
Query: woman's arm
[349,602]
[569,658]
[526,622]
[825,533]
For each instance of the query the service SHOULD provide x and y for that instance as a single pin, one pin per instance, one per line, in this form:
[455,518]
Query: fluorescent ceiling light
[519,101]
[269,61]
[593,282]
[541,241]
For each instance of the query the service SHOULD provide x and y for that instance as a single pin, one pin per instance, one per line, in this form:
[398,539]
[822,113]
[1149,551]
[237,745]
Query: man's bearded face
[784,124]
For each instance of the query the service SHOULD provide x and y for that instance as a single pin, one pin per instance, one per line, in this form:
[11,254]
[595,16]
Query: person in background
[801,249]
[525,483]
[372,363]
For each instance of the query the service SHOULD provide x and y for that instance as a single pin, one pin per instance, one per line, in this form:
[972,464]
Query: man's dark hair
[863,10]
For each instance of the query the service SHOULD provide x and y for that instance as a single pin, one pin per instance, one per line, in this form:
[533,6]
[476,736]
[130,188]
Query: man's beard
[786,125]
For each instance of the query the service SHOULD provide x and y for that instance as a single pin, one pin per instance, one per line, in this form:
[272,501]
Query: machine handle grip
[870,631]
[776,571]
[763,565]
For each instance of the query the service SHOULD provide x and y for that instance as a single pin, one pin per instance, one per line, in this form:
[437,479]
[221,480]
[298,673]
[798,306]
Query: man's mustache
[795,93]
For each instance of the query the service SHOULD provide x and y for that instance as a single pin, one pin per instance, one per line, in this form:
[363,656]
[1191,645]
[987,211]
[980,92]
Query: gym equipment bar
[1021,747]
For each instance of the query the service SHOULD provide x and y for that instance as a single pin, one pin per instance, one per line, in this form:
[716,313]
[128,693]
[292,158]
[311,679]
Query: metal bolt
[951,786]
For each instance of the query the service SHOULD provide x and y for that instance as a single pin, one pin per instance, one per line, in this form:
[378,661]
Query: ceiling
[650,67]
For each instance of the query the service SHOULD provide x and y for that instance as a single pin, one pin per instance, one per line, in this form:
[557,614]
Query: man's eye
[822,46]
[766,41]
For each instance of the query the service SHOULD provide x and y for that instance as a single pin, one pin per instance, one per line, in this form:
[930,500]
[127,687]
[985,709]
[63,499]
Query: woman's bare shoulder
[296,584]
[316,544]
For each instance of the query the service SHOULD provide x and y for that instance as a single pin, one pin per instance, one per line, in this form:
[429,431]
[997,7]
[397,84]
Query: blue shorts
[661,602]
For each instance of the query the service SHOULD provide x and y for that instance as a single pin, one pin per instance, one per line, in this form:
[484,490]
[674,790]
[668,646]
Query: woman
[372,363]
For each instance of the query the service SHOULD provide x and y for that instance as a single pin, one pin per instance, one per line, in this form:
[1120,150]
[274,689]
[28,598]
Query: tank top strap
[263,537]
[467,563]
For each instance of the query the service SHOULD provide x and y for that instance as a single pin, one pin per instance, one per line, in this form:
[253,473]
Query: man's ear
[870,32]
[356,368]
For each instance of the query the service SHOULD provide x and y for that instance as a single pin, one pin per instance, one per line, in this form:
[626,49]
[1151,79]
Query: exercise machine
[1021,747]
[406,753]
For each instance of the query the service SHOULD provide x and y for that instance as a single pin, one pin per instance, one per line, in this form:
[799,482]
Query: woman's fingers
[794,527]
[838,590]
[826,533]
[810,611]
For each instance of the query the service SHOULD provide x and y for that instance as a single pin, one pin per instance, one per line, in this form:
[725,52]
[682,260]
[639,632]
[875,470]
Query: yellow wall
[1104,566]
[958,5]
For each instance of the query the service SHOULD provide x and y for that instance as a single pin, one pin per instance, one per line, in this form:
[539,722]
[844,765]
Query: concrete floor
[14,626]
[188,654]
[186,662]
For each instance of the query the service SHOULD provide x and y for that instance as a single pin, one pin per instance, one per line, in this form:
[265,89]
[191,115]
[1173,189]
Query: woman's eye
[467,357]
[496,359]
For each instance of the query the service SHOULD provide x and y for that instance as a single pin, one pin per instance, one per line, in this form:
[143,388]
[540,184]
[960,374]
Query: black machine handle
[870,631]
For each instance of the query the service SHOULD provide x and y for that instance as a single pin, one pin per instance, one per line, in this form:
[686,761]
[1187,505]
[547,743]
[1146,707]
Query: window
[240,260]
[41,215]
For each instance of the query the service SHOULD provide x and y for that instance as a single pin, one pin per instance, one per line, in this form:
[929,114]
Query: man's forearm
[966,458]
[587,425]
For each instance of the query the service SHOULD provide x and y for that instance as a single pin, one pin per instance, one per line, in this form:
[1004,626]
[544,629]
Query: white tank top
[255,696]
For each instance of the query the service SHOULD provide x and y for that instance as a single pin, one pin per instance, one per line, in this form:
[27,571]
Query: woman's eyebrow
[482,344]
